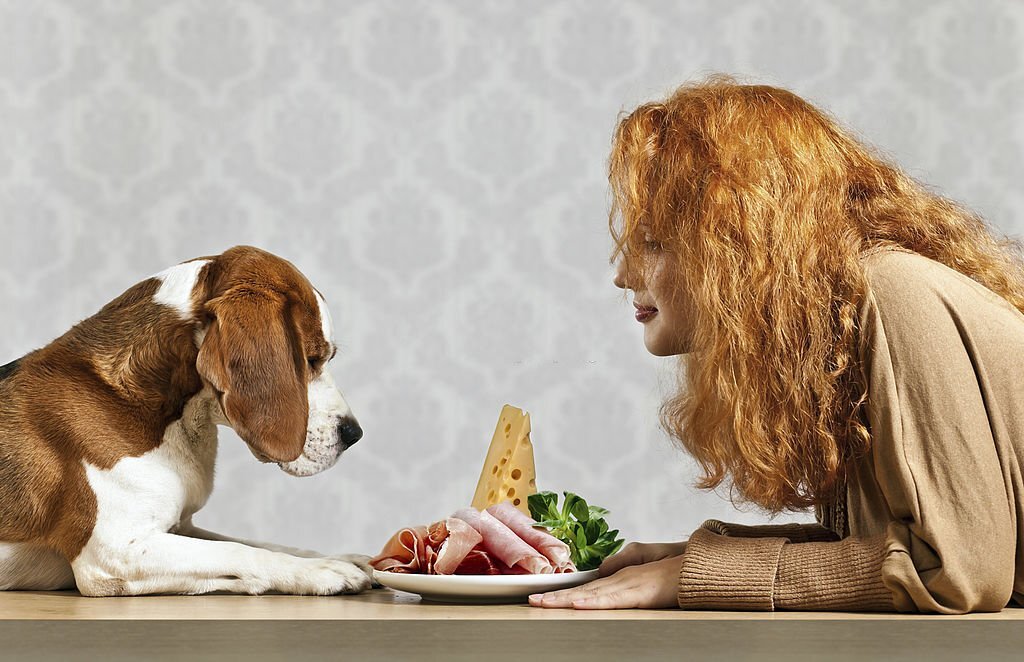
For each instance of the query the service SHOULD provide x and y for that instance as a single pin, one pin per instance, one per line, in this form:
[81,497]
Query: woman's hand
[651,585]
[636,553]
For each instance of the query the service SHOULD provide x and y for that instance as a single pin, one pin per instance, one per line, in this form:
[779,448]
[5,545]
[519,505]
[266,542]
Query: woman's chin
[658,345]
[658,348]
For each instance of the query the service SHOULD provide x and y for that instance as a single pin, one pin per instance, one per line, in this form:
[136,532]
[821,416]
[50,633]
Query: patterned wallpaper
[437,170]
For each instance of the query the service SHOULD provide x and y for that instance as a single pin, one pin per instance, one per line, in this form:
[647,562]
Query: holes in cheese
[508,471]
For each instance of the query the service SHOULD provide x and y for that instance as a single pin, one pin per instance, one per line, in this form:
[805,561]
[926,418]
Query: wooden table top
[386,625]
[378,604]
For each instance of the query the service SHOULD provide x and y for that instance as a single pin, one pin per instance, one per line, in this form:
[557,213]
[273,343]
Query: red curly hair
[765,205]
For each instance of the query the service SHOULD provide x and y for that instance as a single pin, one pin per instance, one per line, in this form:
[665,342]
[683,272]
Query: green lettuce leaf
[579,525]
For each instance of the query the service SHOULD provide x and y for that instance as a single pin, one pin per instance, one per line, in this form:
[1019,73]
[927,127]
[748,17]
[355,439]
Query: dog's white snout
[331,428]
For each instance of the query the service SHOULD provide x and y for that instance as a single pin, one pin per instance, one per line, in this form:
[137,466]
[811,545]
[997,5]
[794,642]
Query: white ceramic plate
[481,588]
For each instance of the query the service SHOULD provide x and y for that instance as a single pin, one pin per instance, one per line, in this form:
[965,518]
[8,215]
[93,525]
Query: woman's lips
[644,313]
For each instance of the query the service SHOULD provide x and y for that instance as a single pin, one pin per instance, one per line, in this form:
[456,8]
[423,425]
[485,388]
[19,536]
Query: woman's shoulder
[903,283]
[925,312]
[904,270]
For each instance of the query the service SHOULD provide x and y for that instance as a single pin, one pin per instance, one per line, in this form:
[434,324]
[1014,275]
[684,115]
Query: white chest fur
[153,492]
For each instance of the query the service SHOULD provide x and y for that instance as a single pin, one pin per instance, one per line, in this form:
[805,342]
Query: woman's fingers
[636,553]
[627,599]
[565,598]
[613,564]
[648,586]
[631,554]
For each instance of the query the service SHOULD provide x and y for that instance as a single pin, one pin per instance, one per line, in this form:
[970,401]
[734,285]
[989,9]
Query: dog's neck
[197,426]
[145,352]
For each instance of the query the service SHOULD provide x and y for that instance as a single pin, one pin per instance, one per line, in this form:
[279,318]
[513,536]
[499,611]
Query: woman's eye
[652,245]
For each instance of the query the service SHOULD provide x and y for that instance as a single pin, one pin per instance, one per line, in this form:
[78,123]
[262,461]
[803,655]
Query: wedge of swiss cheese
[509,473]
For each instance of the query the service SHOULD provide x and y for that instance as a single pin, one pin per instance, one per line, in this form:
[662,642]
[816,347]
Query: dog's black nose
[349,432]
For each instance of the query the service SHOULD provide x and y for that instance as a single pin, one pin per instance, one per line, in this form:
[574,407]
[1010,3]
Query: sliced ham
[436,549]
[556,551]
[498,541]
[504,544]
[460,541]
[437,534]
[404,552]
[479,562]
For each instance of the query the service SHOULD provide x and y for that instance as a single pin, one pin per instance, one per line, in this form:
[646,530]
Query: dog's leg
[169,563]
[186,528]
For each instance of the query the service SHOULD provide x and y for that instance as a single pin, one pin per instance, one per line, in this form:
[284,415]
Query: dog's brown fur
[109,387]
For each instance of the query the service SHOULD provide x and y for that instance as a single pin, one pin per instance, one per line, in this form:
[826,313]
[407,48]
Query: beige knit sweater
[934,514]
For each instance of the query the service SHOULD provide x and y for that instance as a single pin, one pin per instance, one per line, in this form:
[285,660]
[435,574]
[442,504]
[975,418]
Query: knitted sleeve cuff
[793,532]
[728,573]
[834,576]
[763,574]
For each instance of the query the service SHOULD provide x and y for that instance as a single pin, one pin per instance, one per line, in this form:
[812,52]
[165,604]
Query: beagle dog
[108,435]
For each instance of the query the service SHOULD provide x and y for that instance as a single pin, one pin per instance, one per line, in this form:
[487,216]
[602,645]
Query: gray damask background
[437,170]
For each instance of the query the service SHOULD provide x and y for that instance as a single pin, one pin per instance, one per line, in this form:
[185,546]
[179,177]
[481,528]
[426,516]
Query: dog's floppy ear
[251,356]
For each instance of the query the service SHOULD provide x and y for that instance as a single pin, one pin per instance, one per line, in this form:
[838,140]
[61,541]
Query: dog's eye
[313,362]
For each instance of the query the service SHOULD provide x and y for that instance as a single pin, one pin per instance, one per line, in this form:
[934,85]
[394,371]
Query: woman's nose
[620,274]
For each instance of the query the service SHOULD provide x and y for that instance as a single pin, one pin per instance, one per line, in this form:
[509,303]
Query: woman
[851,342]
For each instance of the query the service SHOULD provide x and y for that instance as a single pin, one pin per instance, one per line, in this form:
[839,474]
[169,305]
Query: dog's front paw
[330,576]
[360,560]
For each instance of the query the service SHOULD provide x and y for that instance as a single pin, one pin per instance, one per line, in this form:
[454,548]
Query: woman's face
[660,306]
